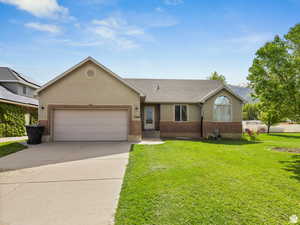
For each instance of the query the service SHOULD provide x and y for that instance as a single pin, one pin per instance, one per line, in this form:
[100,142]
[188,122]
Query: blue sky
[186,39]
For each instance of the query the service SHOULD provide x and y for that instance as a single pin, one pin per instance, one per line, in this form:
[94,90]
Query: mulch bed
[292,150]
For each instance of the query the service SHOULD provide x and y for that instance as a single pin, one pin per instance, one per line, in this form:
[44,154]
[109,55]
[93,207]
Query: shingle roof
[245,92]
[173,90]
[11,97]
[9,75]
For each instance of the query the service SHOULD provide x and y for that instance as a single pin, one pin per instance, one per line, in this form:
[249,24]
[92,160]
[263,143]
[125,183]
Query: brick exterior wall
[180,129]
[135,127]
[224,127]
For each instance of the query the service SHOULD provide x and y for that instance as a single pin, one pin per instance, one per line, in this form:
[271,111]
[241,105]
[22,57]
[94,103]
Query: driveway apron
[62,183]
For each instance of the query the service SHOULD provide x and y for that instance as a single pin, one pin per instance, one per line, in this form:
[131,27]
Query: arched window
[222,109]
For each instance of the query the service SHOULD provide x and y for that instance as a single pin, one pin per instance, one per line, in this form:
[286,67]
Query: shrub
[252,134]
[12,120]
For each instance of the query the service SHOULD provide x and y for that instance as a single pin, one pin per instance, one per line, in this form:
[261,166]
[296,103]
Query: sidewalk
[6,139]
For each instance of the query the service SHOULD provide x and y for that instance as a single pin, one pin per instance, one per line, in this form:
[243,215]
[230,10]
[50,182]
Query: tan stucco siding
[167,112]
[78,89]
[208,107]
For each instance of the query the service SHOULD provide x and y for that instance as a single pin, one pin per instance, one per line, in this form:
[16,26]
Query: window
[24,90]
[180,112]
[222,109]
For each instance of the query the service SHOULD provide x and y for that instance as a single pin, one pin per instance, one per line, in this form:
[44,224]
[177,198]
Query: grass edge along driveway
[10,147]
[226,182]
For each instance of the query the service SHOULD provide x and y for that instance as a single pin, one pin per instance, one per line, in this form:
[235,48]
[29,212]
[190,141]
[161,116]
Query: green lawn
[226,182]
[7,148]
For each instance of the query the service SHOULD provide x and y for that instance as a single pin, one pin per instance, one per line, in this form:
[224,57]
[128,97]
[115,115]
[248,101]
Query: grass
[7,148]
[225,182]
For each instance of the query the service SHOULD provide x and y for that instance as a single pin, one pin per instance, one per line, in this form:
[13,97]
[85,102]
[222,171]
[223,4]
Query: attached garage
[89,102]
[90,125]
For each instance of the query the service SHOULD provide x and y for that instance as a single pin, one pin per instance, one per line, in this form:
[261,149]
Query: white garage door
[90,125]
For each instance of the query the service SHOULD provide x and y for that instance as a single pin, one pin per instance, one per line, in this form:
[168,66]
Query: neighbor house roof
[9,97]
[245,92]
[8,75]
[179,91]
[91,59]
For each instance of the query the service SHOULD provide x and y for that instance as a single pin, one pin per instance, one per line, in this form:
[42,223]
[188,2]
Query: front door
[149,117]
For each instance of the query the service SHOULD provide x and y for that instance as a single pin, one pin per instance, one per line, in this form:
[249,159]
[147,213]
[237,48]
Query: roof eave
[18,103]
[171,102]
[21,82]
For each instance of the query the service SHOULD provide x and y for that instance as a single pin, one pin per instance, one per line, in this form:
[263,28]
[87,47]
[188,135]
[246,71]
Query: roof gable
[217,90]
[89,59]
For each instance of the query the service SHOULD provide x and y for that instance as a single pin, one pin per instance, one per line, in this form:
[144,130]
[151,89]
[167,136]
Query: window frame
[24,90]
[214,111]
[187,113]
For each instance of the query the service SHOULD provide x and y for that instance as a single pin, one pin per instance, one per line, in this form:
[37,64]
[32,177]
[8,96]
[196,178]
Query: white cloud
[117,31]
[159,9]
[173,2]
[40,8]
[102,2]
[252,38]
[119,25]
[44,27]
[248,42]
[155,20]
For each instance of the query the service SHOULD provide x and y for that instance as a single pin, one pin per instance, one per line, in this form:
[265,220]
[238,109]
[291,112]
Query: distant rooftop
[245,92]
[9,75]
[6,95]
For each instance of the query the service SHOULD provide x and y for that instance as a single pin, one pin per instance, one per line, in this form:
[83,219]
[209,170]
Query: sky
[180,39]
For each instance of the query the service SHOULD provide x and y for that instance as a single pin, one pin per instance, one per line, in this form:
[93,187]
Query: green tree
[216,76]
[274,76]
[250,111]
[293,43]
[270,115]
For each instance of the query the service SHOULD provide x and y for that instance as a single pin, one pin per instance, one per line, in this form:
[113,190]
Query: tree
[293,43]
[250,111]
[216,76]
[274,76]
[269,115]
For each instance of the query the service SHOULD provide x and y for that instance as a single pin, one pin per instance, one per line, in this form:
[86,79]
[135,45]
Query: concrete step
[151,133]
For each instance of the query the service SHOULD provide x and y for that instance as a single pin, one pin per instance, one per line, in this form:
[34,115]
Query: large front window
[180,113]
[222,109]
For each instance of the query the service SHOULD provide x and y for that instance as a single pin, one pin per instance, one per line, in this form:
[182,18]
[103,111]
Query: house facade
[89,102]
[18,107]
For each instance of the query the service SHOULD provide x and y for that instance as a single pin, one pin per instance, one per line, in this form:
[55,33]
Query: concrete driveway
[62,184]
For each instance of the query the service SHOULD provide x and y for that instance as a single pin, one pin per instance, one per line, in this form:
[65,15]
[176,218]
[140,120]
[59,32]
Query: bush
[12,120]
[253,135]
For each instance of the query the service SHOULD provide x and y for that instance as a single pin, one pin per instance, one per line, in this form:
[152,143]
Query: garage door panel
[90,125]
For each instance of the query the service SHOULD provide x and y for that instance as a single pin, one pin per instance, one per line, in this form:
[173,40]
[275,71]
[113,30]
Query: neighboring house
[244,92]
[17,105]
[89,102]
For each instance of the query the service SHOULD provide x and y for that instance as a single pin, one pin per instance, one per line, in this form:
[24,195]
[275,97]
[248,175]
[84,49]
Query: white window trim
[231,109]
[187,111]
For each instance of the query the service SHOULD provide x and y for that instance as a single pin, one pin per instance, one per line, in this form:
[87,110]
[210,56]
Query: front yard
[227,182]
[7,148]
